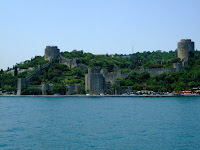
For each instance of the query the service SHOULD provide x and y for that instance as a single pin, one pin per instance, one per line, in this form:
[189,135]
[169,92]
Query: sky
[95,26]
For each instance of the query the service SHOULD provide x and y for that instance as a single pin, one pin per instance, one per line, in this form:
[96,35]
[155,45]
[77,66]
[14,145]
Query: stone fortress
[185,48]
[54,52]
[26,81]
[98,81]
[51,53]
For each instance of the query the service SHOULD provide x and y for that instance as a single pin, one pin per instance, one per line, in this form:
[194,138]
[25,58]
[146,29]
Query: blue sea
[156,123]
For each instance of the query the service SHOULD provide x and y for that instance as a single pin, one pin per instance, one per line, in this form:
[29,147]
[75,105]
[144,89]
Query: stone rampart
[158,71]
[72,63]
[36,72]
[26,81]
[74,89]
[97,81]
[112,76]
[35,86]
[82,66]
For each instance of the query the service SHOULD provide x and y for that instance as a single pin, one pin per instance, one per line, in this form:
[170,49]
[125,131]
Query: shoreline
[100,95]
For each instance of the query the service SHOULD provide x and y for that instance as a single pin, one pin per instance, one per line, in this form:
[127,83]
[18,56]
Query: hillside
[59,74]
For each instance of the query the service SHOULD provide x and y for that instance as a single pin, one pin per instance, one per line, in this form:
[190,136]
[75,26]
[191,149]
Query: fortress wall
[30,78]
[107,86]
[78,88]
[125,75]
[38,71]
[26,81]
[104,72]
[35,86]
[72,63]
[154,72]
[178,66]
[113,76]
[65,61]
[83,67]
[110,77]
[94,83]
[71,89]
[127,90]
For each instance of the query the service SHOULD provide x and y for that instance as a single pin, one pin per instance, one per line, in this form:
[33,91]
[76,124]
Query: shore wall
[113,76]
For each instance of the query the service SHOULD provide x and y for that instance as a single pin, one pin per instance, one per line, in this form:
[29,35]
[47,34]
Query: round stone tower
[51,52]
[185,46]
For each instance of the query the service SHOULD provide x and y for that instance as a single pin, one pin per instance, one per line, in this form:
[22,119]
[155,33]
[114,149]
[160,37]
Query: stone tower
[94,81]
[51,52]
[185,46]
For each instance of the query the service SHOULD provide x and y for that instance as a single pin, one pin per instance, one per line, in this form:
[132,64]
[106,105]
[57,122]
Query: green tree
[15,71]
[31,91]
[115,87]
[60,89]
[144,76]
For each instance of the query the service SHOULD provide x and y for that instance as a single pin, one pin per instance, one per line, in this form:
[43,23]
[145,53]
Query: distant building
[185,48]
[97,81]
[51,52]
[94,81]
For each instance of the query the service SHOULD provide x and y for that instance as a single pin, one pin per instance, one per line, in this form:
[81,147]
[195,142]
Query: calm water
[99,123]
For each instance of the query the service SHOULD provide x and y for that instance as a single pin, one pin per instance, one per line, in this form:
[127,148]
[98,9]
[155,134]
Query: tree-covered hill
[187,78]
[155,59]
[60,74]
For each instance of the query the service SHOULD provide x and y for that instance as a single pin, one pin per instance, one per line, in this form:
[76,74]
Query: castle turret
[94,81]
[51,52]
[185,46]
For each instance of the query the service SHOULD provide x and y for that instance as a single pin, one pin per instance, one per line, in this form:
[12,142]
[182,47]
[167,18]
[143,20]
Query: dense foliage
[155,59]
[34,62]
[187,78]
[60,74]
[31,91]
